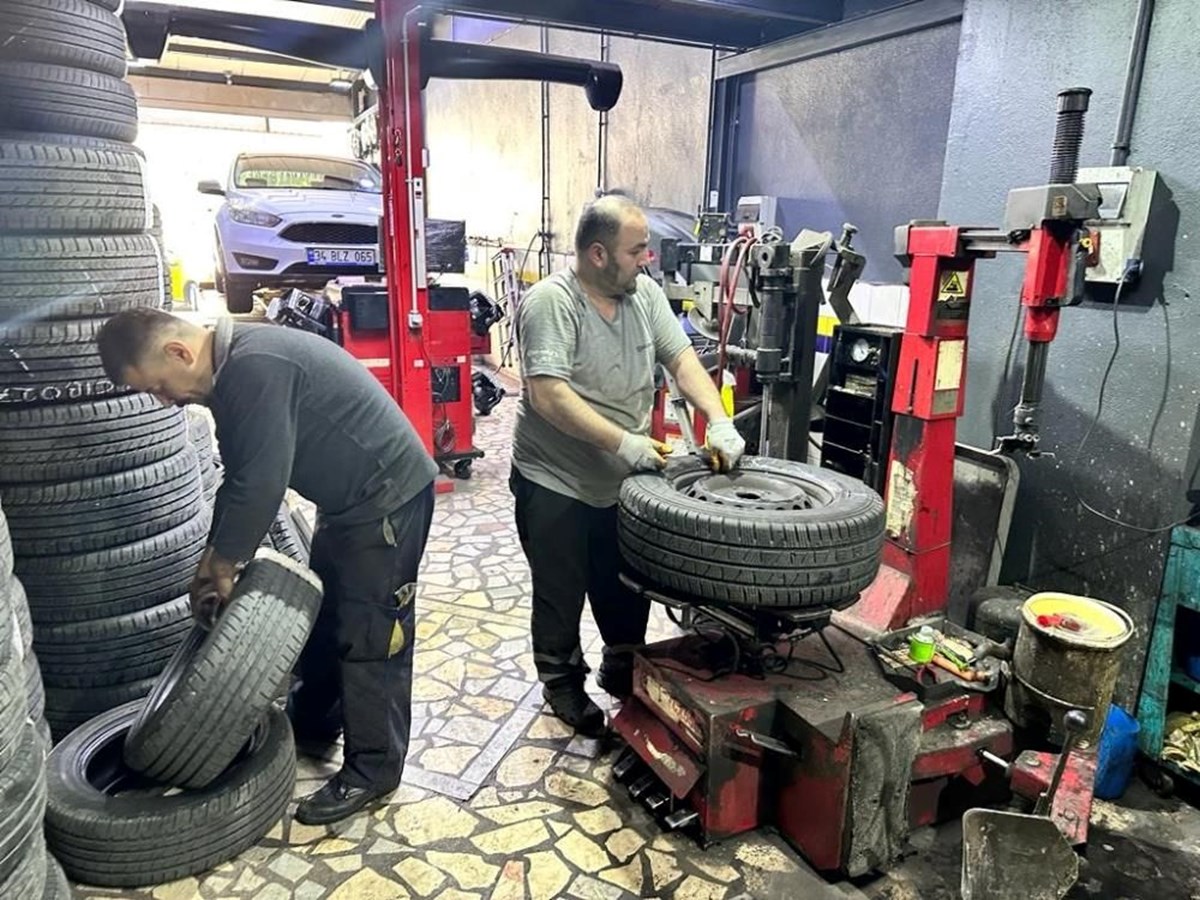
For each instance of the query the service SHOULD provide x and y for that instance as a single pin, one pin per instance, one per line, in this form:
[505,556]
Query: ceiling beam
[255,81]
[251,56]
[202,96]
[808,12]
[650,19]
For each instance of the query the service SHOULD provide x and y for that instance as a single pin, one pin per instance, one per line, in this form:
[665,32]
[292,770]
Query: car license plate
[339,256]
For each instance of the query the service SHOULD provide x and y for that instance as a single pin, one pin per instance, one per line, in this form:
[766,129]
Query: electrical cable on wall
[1096,421]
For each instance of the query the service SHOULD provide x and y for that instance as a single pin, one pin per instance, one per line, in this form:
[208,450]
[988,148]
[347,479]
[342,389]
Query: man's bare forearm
[556,402]
[696,385]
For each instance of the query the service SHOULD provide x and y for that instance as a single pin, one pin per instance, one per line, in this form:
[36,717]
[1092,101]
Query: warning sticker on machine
[952,286]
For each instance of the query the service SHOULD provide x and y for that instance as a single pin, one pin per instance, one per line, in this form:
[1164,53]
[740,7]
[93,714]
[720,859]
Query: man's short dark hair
[600,221]
[127,336]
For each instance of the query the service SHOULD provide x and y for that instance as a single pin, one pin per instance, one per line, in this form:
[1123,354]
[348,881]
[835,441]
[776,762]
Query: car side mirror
[211,187]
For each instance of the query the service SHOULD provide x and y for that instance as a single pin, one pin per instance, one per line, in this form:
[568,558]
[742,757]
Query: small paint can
[921,645]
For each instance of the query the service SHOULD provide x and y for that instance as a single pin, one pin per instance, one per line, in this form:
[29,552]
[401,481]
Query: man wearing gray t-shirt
[590,338]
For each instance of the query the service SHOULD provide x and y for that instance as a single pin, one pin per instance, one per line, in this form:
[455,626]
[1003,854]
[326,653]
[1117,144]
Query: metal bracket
[763,742]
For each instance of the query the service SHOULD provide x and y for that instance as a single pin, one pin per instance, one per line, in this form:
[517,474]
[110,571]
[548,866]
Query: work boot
[337,800]
[571,704]
[616,678]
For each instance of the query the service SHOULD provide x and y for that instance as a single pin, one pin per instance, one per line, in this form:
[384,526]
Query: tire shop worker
[294,409]
[589,339]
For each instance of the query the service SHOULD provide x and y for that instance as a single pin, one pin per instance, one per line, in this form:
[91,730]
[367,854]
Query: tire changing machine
[786,718]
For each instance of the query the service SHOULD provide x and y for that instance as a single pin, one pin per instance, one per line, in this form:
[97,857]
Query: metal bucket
[1067,656]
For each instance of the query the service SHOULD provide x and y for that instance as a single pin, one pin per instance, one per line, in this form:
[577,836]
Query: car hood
[289,202]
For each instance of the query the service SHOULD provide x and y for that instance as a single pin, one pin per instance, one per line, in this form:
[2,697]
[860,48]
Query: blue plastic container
[1118,750]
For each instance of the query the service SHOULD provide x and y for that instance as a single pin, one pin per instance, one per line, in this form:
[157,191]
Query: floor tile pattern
[500,801]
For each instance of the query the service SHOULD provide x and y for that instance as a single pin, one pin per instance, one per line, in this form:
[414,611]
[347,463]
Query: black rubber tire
[111,582]
[57,886]
[239,295]
[35,688]
[65,443]
[136,839]
[64,32]
[61,99]
[55,188]
[110,5]
[820,556]
[200,433]
[52,362]
[77,277]
[283,537]
[220,683]
[19,604]
[6,554]
[105,511]
[27,881]
[68,708]
[119,649]
[13,703]
[22,801]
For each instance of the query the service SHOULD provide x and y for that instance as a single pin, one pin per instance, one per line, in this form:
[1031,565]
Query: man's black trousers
[572,552]
[355,674]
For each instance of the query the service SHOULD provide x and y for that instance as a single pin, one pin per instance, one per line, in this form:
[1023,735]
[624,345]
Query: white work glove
[725,442]
[642,453]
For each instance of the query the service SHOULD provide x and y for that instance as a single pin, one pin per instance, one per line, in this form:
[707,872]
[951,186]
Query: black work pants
[355,674]
[572,552]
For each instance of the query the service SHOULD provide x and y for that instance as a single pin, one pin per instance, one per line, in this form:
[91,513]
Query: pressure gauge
[860,351]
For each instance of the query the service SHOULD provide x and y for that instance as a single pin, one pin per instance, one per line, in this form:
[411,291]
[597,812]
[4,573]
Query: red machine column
[402,160]
[927,401]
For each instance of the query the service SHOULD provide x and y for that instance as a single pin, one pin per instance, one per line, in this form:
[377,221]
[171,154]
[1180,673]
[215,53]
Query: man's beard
[612,274]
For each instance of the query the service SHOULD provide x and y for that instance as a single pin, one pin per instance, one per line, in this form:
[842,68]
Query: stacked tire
[102,488]
[27,870]
[210,736]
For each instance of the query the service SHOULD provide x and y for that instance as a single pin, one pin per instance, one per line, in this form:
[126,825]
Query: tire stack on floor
[160,789]
[27,870]
[102,488]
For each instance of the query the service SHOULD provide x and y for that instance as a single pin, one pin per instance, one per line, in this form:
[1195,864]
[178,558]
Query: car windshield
[306,173]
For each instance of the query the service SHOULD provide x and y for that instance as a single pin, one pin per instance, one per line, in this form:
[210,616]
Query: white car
[294,221]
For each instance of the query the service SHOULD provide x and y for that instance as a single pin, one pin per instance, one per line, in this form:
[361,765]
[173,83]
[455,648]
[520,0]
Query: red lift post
[1045,223]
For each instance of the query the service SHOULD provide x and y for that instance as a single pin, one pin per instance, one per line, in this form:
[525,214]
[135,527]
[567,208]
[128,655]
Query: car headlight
[248,215]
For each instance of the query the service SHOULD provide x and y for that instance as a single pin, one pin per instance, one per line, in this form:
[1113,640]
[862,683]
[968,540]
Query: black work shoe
[335,801]
[615,680]
[575,707]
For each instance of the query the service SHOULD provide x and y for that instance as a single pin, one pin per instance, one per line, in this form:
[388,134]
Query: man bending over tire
[294,409]
[589,339]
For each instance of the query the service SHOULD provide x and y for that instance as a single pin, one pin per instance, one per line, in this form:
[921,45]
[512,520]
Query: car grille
[330,233]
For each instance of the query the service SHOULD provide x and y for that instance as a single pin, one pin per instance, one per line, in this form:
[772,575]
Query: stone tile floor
[499,800]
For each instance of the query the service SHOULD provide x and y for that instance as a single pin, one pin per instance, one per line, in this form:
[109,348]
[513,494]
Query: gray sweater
[293,409]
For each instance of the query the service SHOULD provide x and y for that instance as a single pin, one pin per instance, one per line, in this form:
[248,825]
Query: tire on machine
[774,533]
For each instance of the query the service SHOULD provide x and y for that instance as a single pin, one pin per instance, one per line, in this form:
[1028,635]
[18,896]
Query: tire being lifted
[773,533]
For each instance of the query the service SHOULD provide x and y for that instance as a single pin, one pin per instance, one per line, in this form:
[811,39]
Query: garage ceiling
[732,24]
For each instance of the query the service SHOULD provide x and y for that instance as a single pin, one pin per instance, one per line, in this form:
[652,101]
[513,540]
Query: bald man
[293,409]
[589,340]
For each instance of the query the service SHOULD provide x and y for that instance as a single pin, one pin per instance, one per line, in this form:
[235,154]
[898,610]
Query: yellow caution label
[952,285]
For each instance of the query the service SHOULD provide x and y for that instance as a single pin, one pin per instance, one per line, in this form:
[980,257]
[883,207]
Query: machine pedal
[626,766]
[681,818]
[642,785]
[657,801]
